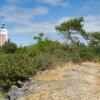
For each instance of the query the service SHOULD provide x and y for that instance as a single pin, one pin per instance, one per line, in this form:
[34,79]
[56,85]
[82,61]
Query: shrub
[9,47]
[16,67]
[43,61]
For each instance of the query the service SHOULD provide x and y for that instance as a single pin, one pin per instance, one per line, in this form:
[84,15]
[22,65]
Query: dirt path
[68,83]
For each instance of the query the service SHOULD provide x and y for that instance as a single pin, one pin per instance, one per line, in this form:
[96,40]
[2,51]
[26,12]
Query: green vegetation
[21,63]
[71,27]
[2,95]
[9,47]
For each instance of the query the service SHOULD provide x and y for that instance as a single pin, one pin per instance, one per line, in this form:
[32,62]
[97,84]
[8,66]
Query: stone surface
[68,83]
[12,94]
[15,92]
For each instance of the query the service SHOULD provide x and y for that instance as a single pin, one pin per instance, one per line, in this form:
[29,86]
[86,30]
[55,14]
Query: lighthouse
[3,35]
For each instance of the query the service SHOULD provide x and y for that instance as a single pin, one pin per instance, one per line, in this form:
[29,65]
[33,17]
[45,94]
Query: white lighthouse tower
[3,35]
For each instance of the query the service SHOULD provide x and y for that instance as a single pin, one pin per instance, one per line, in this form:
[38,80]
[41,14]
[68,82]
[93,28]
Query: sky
[24,19]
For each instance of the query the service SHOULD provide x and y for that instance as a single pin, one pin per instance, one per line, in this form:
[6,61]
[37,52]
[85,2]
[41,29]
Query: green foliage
[43,61]
[16,67]
[49,46]
[2,95]
[39,38]
[33,51]
[70,27]
[9,47]
[95,38]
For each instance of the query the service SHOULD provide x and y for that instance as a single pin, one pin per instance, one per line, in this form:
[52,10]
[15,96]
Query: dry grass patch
[54,74]
[91,63]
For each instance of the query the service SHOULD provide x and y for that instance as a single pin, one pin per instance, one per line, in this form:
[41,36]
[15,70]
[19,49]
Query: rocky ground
[80,82]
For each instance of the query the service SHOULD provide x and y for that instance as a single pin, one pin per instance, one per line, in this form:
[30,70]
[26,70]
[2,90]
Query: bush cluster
[27,61]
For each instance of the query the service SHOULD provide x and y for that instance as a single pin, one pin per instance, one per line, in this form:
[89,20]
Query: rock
[13,93]
[16,92]
[20,84]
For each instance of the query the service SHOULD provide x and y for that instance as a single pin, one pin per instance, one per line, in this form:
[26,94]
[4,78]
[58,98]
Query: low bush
[25,62]
[9,47]
[43,61]
[16,67]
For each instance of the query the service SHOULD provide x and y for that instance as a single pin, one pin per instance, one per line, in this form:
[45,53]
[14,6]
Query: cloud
[17,1]
[21,19]
[20,15]
[65,18]
[62,3]
[92,23]
[24,19]
[30,27]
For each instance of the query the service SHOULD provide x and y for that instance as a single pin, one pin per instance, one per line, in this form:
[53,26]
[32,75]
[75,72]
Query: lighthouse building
[3,36]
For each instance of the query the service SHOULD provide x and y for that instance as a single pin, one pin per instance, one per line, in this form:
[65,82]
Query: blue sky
[26,18]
